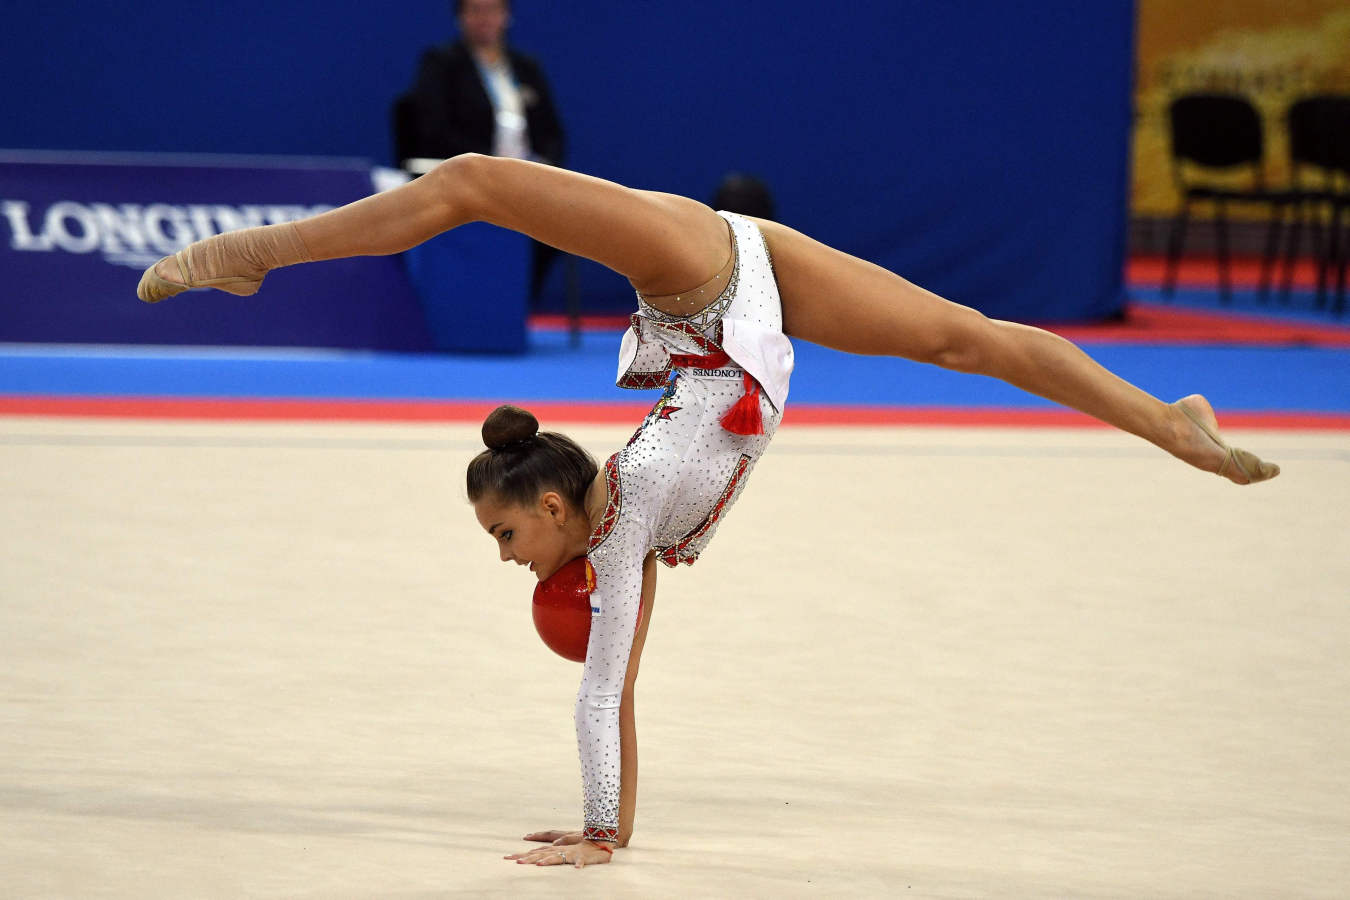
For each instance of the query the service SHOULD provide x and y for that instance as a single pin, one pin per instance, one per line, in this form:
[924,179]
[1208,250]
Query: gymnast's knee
[967,344]
[462,182]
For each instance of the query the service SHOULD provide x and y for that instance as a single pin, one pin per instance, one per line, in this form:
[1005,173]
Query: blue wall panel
[978,148]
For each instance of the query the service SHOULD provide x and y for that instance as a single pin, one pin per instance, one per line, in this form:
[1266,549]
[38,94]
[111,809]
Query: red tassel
[745,417]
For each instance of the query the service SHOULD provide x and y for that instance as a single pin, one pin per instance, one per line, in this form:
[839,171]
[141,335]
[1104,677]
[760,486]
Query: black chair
[1319,145]
[1216,132]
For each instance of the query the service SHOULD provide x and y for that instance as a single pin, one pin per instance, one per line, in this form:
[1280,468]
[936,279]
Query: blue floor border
[1255,378]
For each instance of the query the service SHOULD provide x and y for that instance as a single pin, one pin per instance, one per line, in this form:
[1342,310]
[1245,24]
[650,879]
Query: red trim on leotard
[679,552]
[612,505]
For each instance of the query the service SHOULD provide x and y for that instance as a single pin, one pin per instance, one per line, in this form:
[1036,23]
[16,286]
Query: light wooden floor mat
[283,661]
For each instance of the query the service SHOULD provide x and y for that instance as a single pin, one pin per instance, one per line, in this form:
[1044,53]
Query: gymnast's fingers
[546,837]
[526,854]
[533,855]
[554,858]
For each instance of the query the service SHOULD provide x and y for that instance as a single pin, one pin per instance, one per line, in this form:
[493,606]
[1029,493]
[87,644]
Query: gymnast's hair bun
[506,426]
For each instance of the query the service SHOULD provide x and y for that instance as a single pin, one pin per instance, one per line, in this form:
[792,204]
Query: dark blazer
[448,111]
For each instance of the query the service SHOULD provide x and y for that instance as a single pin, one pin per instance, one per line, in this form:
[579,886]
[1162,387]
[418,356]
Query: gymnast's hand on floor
[564,848]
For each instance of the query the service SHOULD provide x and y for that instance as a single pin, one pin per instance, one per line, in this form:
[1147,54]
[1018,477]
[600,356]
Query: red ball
[562,609]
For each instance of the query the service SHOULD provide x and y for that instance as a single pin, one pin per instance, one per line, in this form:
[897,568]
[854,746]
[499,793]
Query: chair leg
[1274,229]
[1174,243]
[1343,254]
[1292,248]
[1322,250]
[1221,244]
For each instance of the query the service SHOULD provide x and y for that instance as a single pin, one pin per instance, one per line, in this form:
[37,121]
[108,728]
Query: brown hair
[521,462]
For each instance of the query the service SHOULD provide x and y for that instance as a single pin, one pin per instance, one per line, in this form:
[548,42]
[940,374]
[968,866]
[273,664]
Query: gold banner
[1270,51]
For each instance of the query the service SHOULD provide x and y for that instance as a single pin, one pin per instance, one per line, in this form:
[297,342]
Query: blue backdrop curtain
[978,148]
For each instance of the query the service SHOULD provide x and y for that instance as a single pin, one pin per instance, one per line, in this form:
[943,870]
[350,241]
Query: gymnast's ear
[553,505]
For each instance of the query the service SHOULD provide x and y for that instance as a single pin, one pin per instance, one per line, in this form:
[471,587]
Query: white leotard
[679,474]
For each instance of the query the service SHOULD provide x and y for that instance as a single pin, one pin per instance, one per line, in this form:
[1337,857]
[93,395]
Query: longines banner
[76,232]
[1271,52]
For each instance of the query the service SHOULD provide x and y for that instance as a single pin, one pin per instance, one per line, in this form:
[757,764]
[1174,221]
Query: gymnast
[545,501]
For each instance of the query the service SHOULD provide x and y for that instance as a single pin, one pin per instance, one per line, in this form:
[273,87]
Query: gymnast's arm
[627,750]
[628,772]
[620,560]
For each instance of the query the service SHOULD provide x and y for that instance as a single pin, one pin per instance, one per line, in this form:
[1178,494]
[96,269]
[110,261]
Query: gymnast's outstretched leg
[840,301]
[662,243]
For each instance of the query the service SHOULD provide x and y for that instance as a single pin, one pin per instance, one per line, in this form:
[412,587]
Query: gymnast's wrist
[600,834]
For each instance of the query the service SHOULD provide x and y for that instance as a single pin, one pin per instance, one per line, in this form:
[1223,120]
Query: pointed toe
[154,288]
[1251,466]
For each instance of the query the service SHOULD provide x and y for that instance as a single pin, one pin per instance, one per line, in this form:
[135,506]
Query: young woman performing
[662,496]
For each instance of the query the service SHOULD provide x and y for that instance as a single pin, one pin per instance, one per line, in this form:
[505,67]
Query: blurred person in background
[477,94]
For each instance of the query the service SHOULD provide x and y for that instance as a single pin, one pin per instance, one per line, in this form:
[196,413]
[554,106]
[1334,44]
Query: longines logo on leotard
[132,234]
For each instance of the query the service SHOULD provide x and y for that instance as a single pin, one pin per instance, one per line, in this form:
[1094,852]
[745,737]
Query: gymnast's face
[535,535]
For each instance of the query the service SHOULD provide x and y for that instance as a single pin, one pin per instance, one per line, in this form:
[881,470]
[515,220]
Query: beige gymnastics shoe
[235,262]
[1236,460]
[154,288]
